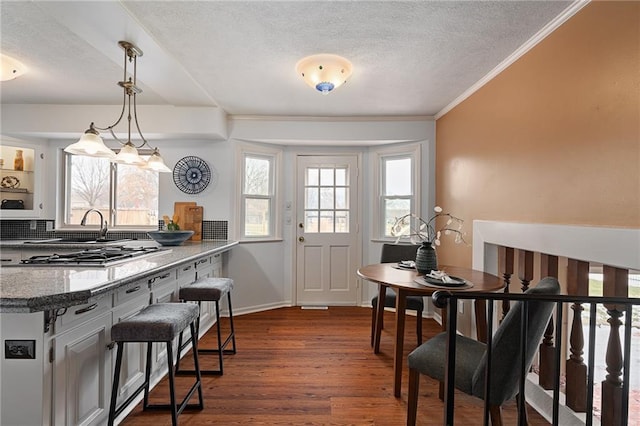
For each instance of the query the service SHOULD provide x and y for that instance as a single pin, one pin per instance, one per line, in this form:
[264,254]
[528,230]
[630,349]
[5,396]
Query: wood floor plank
[313,367]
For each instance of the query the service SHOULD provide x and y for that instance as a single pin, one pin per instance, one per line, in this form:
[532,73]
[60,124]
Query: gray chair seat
[206,289]
[414,303]
[155,323]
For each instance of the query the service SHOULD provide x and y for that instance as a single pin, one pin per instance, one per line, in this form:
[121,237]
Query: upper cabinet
[20,170]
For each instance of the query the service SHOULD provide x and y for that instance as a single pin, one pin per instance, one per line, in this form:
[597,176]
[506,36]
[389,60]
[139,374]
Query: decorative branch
[419,231]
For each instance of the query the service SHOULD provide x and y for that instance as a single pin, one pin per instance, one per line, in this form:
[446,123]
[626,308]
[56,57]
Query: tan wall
[555,138]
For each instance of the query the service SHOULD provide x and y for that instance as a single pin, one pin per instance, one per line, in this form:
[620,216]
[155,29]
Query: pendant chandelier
[92,145]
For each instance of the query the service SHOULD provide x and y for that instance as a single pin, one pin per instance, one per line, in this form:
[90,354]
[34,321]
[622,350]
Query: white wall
[263,271]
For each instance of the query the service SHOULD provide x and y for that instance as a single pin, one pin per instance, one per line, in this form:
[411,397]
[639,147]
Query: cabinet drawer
[10,257]
[161,278]
[130,292]
[78,314]
[186,274]
[203,263]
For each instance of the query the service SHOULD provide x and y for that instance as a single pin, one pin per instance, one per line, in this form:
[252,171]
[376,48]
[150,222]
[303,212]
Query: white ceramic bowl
[170,238]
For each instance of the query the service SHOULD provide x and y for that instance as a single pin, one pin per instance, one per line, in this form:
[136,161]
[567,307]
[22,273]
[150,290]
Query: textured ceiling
[411,58]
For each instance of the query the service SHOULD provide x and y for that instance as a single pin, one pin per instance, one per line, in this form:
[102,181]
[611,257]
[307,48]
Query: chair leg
[147,376]
[196,364]
[412,402]
[496,415]
[116,382]
[373,323]
[232,328]
[419,326]
[172,385]
[525,418]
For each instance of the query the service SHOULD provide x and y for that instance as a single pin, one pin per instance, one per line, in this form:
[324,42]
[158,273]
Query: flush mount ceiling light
[324,72]
[92,145]
[11,68]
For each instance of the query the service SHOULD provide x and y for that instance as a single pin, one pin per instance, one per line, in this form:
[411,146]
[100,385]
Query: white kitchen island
[55,324]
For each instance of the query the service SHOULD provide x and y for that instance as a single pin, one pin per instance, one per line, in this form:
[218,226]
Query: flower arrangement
[418,230]
[171,223]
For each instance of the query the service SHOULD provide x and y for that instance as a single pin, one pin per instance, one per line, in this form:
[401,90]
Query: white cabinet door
[82,378]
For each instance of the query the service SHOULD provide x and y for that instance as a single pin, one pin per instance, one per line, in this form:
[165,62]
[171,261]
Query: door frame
[294,215]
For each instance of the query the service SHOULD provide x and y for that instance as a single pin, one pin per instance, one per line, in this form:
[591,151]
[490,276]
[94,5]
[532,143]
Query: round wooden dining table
[402,282]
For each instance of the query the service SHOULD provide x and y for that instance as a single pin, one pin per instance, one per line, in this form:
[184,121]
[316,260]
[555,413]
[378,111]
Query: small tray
[455,281]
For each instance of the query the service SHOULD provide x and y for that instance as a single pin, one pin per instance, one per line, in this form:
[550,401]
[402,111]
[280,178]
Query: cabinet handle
[6,260]
[160,277]
[216,255]
[111,345]
[87,309]
[201,261]
[186,268]
[132,290]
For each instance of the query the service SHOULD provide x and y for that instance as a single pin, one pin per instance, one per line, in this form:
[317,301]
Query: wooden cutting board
[193,222]
[190,218]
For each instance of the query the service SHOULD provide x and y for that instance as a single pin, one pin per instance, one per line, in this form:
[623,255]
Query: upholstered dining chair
[397,253]
[471,356]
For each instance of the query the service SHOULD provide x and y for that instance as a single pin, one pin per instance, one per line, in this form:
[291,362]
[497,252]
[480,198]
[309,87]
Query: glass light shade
[156,163]
[10,68]
[129,155]
[324,72]
[90,144]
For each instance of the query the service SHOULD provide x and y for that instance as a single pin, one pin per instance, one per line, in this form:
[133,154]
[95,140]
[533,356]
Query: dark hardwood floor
[313,367]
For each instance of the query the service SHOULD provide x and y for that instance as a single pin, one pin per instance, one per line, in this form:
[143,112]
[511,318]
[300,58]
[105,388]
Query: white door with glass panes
[327,230]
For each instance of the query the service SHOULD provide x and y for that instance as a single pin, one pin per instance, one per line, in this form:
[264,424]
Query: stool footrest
[162,407]
[202,373]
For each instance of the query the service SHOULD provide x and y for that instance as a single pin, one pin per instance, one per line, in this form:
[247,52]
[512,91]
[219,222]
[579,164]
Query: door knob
[301,239]
[300,225]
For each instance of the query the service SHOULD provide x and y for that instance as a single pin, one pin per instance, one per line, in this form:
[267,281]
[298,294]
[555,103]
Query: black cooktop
[103,256]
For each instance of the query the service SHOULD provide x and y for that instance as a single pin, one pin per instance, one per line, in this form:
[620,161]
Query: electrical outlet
[49,226]
[20,349]
[461,307]
[33,225]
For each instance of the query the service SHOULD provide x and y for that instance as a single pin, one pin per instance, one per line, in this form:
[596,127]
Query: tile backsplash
[23,229]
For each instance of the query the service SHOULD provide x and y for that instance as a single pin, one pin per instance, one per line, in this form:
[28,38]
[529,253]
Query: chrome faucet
[103,223]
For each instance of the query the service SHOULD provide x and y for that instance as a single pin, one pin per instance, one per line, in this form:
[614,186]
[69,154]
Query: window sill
[266,240]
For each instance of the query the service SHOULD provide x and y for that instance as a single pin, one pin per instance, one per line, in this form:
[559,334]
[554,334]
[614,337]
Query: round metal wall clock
[192,175]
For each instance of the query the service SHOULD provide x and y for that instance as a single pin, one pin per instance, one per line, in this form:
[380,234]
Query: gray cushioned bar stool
[209,289]
[156,323]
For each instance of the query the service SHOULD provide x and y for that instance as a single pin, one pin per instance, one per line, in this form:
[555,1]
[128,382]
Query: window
[258,205]
[397,186]
[127,196]
[326,203]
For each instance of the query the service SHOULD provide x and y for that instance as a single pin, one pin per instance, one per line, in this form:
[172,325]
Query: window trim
[274,155]
[412,151]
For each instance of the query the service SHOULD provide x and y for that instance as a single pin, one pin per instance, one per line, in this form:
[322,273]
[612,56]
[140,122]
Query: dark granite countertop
[40,288]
